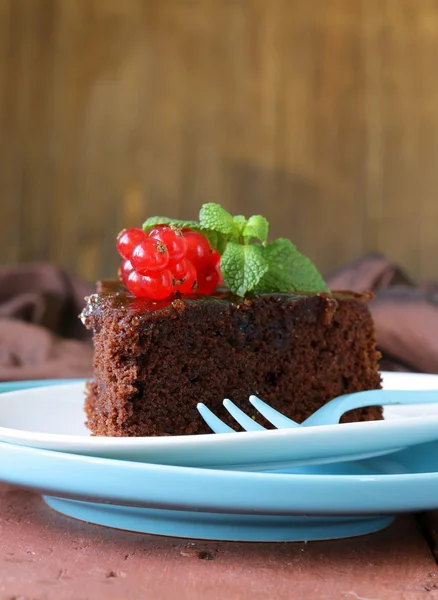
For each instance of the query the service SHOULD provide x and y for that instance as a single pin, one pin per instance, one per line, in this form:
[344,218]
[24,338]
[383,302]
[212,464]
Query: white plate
[52,418]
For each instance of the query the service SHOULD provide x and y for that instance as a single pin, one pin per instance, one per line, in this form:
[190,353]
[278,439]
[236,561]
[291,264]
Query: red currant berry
[149,257]
[215,259]
[124,270]
[127,239]
[185,276]
[172,238]
[155,287]
[207,280]
[198,249]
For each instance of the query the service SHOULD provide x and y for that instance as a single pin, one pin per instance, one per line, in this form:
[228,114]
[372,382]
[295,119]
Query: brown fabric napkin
[41,336]
[405,312]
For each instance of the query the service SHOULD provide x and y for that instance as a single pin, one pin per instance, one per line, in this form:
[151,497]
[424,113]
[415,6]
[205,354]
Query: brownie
[154,361]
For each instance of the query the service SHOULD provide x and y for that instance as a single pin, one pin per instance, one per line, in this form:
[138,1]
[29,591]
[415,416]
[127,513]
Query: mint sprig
[248,262]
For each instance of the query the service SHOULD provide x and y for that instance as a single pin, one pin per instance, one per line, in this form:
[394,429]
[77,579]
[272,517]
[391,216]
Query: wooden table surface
[46,556]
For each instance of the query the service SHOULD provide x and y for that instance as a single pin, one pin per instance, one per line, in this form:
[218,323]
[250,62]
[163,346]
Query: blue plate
[307,503]
[213,504]
[13,386]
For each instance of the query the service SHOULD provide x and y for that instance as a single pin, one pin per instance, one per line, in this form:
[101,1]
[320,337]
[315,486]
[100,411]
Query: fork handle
[332,411]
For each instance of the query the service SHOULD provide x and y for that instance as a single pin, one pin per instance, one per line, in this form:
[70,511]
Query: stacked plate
[311,483]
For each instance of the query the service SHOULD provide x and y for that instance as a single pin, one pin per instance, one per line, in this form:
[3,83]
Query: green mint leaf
[289,270]
[213,216]
[152,221]
[256,227]
[240,222]
[243,267]
[218,241]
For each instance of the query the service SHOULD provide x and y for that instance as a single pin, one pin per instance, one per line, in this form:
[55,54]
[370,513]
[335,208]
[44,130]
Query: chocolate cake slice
[154,361]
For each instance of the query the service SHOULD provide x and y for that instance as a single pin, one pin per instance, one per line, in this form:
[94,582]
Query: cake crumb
[200,554]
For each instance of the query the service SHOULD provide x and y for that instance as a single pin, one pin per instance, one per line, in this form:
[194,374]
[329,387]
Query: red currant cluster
[166,259]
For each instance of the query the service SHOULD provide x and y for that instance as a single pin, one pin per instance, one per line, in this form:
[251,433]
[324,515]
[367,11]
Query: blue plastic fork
[329,414]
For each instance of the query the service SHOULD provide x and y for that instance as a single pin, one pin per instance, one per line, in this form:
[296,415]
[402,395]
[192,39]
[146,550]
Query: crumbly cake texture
[153,362]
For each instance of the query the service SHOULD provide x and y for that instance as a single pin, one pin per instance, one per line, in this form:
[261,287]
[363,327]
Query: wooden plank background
[322,115]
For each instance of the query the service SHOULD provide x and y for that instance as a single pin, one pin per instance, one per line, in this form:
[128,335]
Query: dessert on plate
[210,310]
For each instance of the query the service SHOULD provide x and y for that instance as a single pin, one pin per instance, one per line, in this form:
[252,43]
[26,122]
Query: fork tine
[272,415]
[212,420]
[244,421]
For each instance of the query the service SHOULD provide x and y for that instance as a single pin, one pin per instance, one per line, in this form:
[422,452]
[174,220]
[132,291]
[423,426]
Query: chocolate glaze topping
[111,294]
